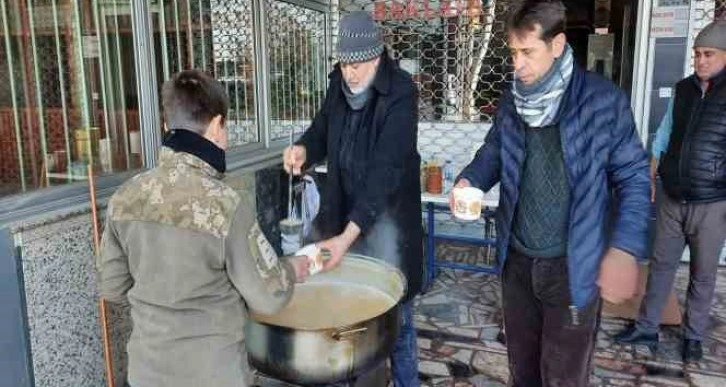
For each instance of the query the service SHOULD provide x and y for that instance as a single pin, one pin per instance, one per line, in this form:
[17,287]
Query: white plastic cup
[468,203]
[315,259]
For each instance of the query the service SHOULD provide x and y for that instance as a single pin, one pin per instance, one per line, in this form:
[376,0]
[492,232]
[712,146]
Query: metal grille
[702,13]
[215,36]
[706,11]
[455,50]
[232,51]
[183,32]
[219,36]
[296,38]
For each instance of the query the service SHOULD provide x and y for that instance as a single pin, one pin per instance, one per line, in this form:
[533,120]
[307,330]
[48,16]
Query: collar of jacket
[185,146]
[713,81]
[381,82]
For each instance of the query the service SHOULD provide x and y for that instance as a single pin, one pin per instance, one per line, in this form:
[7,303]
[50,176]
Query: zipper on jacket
[694,113]
[570,185]
[574,315]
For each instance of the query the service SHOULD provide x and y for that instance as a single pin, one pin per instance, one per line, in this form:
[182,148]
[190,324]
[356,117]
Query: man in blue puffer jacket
[573,211]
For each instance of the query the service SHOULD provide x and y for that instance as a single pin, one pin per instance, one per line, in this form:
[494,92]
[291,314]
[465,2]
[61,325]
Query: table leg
[430,247]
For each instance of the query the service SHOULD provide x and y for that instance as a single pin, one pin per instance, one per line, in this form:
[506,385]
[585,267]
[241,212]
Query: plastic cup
[468,203]
[315,259]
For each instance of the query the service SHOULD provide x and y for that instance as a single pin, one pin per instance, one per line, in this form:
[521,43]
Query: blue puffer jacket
[607,169]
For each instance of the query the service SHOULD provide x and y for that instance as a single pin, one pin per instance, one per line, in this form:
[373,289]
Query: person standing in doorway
[689,153]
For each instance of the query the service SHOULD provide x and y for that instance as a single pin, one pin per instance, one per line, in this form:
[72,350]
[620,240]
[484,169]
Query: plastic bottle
[448,176]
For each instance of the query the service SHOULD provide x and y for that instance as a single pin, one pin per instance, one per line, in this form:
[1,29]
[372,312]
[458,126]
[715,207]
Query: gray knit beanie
[359,39]
[713,36]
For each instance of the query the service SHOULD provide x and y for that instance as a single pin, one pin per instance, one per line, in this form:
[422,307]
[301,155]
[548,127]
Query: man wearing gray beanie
[371,202]
[689,154]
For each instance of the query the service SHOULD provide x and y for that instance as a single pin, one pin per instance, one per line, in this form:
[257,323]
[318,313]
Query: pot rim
[387,266]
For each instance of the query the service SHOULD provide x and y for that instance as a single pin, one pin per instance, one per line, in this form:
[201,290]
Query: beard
[363,86]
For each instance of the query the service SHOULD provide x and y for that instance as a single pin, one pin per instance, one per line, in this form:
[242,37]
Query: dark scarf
[187,141]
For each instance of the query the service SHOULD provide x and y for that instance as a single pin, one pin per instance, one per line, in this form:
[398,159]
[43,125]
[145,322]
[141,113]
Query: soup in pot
[325,305]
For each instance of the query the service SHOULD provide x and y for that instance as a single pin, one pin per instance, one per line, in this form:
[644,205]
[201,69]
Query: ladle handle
[290,213]
[346,333]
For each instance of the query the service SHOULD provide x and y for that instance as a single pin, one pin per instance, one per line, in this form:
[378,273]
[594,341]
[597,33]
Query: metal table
[434,202]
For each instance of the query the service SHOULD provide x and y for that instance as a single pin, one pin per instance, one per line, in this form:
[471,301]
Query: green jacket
[185,250]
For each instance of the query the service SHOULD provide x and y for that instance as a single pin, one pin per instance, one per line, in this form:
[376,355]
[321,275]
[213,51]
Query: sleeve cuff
[364,220]
[636,251]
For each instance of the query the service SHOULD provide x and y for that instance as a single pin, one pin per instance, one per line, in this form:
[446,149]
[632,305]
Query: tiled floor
[459,318]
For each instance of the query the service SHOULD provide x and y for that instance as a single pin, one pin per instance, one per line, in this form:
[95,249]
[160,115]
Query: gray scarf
[356,101]
[539,104]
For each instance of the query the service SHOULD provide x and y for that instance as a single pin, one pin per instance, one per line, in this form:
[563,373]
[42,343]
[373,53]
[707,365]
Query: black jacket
[387,207]
[693,168]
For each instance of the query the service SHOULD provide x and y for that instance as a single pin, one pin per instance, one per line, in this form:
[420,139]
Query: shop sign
[669,22]
[424,9]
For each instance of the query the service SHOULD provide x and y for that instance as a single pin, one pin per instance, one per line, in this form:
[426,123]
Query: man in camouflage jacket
[185,250]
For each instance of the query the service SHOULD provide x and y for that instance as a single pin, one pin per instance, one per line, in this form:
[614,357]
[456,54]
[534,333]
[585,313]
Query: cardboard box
[629,310]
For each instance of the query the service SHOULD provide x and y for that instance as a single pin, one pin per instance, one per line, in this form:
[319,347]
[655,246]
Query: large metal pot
[305,357]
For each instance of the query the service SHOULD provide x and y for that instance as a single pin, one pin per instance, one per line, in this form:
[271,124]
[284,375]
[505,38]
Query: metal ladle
[290,212]
[291,227]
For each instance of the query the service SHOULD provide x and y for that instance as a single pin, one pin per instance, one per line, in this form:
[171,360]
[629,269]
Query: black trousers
[547,345]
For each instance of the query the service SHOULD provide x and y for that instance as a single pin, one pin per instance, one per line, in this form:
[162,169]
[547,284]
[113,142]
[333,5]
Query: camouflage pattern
[183,192]
[187,253]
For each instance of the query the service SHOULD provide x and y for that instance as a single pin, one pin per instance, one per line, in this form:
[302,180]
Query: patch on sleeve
[267,262]
[263,252]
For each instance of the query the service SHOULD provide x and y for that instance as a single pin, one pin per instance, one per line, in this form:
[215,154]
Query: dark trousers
[545,346]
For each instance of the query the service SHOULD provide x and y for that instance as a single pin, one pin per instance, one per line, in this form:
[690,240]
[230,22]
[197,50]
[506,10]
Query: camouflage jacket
[186,252]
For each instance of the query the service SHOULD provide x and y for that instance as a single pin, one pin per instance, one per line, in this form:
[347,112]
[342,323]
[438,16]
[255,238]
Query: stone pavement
[459,320]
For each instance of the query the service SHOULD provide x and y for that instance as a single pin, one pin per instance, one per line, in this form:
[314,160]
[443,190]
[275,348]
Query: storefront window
[70,96]
[70,90]
[67,99]
[674,26]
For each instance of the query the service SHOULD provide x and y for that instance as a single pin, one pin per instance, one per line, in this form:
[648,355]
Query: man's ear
[213,128]
[216,132]
[558,44]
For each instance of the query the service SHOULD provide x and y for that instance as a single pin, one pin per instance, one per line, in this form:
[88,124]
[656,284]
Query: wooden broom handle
[97,248]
